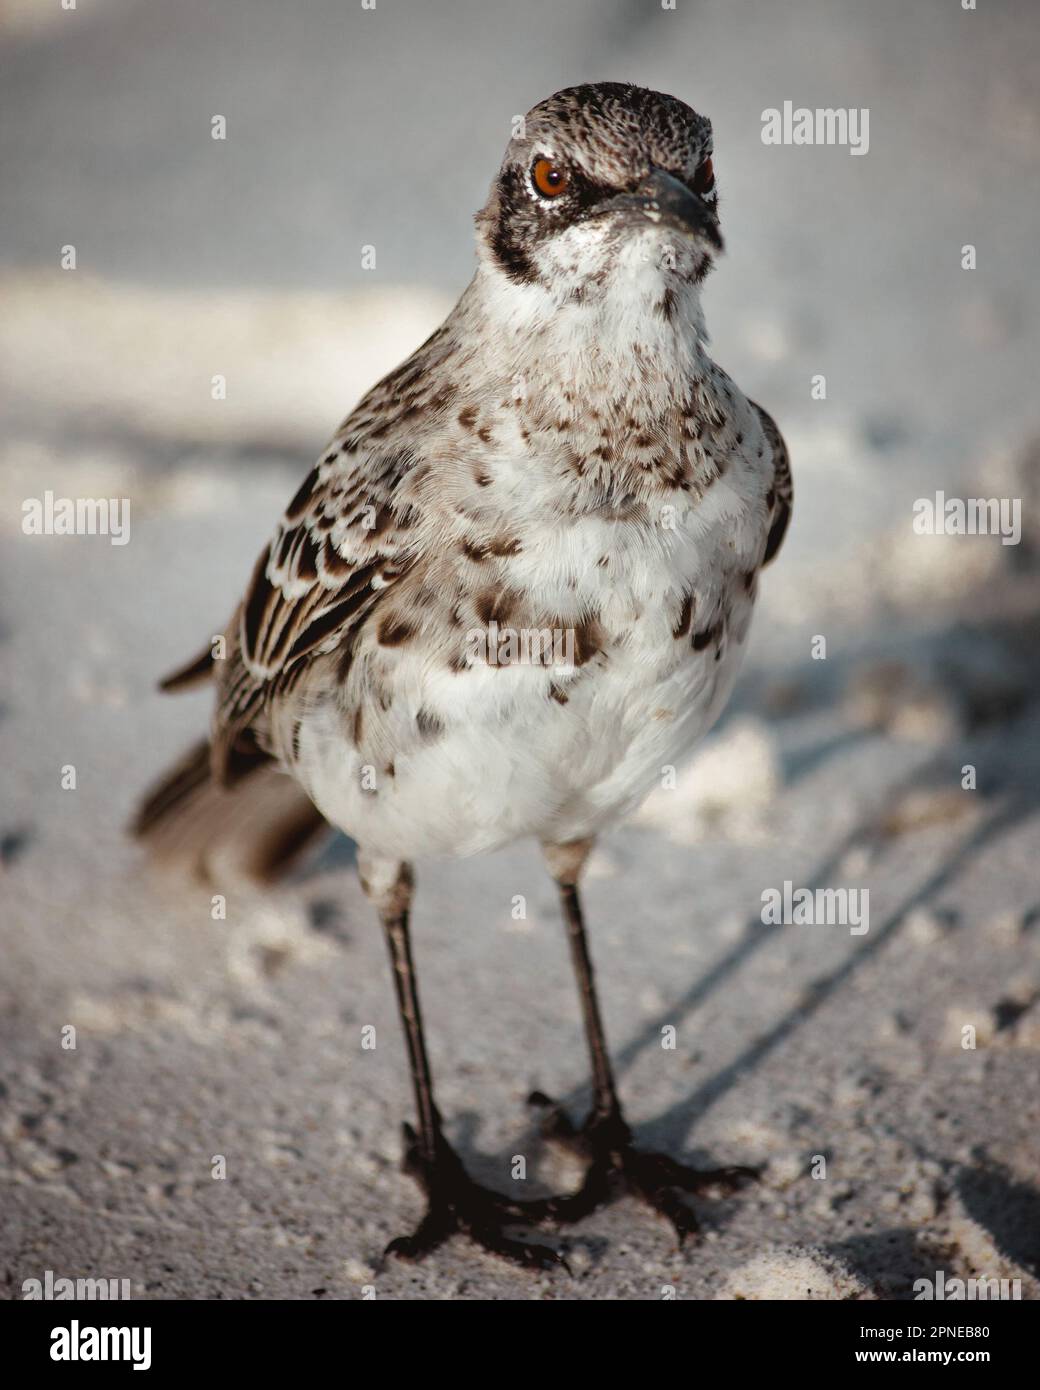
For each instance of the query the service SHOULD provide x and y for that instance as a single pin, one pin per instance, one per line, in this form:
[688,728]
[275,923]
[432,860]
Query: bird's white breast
[510,759]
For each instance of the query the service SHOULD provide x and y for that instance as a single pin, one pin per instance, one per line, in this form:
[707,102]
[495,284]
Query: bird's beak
[667,202]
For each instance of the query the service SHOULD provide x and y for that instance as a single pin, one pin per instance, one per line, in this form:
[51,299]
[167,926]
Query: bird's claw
[618,1167]
[457,1204]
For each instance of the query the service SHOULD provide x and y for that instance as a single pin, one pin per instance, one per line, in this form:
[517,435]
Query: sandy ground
[242,1037]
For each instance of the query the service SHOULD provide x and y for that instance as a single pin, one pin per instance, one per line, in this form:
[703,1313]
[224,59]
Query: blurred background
[242,258]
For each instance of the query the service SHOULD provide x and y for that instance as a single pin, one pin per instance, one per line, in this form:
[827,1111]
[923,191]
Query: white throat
[638,330]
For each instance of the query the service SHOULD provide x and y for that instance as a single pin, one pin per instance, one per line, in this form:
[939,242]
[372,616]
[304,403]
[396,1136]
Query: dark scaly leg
[605,1138]
[454,1201]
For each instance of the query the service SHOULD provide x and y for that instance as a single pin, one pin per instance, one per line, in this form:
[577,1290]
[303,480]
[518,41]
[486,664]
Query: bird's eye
[704,178]
[548,178]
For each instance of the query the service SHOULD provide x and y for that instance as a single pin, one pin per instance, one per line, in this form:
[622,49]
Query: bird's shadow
[886,1262]
[1015,796]
[1005,1207]
[754,939]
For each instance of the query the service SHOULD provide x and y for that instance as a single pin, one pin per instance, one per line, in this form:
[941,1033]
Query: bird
[515,588]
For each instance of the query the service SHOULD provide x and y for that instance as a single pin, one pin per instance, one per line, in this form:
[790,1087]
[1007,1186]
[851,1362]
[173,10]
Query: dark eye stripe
[587,193]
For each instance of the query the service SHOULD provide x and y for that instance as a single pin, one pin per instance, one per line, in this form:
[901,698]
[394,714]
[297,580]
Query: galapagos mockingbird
[516,586]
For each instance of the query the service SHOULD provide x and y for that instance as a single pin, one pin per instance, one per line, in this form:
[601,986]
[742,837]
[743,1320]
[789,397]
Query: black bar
[268,1338]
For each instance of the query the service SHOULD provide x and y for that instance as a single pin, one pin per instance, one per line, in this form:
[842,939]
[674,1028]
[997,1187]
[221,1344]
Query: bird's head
[607,189]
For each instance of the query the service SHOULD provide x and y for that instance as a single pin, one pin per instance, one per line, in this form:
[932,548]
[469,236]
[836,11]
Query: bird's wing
[781,494]
[343,541]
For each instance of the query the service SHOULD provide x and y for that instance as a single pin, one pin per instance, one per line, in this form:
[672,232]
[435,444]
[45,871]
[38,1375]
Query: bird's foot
[616,1167]
[455,1203]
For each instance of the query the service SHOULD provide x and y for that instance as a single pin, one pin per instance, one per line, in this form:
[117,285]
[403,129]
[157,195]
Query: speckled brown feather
[543,407]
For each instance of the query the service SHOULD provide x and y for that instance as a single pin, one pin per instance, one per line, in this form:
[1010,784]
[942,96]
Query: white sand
[242,1037]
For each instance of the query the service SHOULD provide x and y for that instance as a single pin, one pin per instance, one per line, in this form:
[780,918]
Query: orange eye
[548,178]
[704,179]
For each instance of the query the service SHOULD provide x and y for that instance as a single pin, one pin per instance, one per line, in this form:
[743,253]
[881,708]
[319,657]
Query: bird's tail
[261,825]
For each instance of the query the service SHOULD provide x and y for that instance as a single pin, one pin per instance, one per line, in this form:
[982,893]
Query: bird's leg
[616,1164]
[454,1201]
